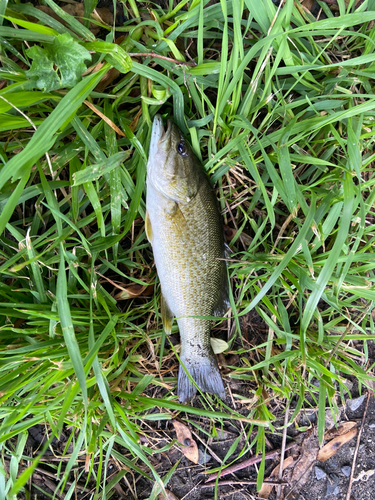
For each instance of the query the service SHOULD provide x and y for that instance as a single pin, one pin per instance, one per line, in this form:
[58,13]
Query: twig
[213,454]
[52,486]
[233,483]
[187,51]
[193,488]
[286,418]
[158,56]
[356,448]
[247,463]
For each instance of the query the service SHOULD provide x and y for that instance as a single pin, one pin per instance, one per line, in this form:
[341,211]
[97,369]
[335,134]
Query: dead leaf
[167,496]
[267,488]
[335,444]
[309,451]
[307,4]
[135,290]
[230,233]
[189,446]
[134,122]
[342,429]
[265,396]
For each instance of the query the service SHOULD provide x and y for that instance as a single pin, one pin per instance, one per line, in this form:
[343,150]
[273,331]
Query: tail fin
[205,372]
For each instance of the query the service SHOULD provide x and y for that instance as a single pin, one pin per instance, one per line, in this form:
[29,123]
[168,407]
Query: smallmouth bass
[184,227]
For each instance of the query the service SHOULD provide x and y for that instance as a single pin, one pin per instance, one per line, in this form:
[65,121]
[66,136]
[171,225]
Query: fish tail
[206,374]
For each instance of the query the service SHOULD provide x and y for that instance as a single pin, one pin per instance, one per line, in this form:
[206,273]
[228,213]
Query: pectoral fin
[148,227]
[180,224]
[166,316]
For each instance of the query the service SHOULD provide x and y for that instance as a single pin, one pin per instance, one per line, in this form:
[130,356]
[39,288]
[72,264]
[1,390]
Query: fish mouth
[159,136]
[166,135]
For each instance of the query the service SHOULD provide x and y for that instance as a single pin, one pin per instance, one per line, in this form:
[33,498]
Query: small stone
[330,420]
[319,473]
[204,457]
[346,470]
[354,404]
[307,419]
[349,386]
[332,489]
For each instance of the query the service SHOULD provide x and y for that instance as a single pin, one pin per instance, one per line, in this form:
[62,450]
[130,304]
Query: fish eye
[182,149]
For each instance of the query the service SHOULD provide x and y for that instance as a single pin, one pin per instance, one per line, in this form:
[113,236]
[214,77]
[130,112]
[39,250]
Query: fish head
[172,167]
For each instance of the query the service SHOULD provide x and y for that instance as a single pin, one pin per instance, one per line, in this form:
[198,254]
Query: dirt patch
[328,480]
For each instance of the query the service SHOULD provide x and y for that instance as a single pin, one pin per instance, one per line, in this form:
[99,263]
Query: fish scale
[185,229]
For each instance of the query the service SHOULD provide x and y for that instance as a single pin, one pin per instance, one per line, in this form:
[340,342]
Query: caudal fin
[205,372]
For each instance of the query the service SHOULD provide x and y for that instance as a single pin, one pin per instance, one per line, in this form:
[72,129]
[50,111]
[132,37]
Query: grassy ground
[279,105]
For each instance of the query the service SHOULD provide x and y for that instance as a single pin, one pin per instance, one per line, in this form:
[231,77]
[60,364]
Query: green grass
[280,109]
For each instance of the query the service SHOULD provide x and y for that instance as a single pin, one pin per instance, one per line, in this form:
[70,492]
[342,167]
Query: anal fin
[166,315]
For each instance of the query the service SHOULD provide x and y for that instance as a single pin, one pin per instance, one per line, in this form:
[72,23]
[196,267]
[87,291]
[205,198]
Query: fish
[184,226]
